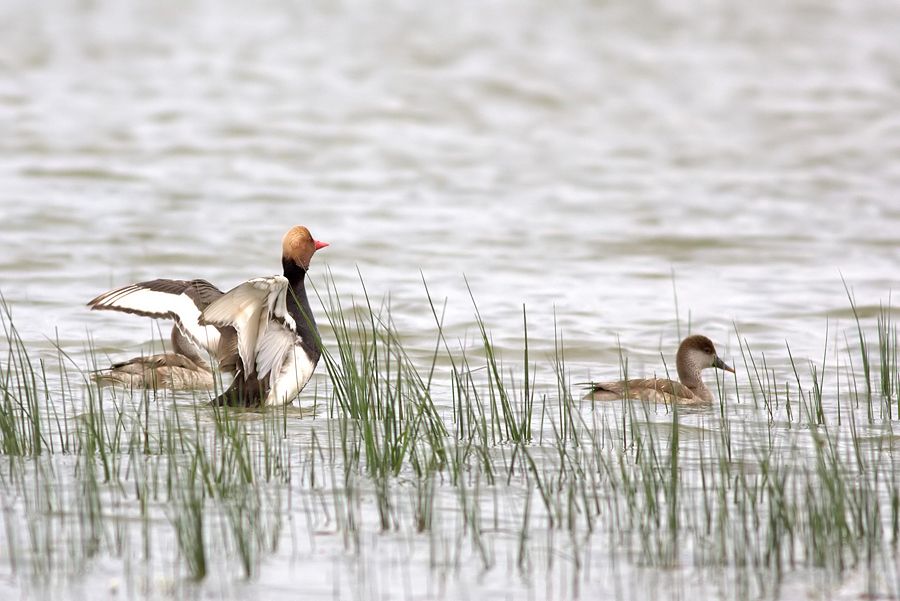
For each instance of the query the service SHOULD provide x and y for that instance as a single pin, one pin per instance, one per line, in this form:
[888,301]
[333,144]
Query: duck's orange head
[299,246]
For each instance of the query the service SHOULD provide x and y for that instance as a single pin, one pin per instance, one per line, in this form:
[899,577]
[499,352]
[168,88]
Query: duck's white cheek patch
[700,359]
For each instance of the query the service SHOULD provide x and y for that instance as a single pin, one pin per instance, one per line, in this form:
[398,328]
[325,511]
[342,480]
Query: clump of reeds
[492,462]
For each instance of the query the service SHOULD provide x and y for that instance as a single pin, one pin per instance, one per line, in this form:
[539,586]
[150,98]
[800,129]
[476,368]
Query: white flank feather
[291,379]
[272,351]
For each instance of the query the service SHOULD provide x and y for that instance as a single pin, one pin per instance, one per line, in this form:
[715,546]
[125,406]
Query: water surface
[627,171]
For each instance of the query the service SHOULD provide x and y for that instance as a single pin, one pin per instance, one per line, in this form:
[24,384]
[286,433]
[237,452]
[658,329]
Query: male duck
[262,330]
[277,338]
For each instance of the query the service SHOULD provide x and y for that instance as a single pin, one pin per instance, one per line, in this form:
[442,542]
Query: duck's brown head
[699,352]
[299,246]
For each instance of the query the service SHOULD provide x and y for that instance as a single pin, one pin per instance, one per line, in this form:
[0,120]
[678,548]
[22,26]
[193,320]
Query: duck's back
[166,370]
[657,390]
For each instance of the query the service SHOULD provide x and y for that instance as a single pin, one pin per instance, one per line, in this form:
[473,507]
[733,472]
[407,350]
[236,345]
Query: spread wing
[180,300]
[266,333]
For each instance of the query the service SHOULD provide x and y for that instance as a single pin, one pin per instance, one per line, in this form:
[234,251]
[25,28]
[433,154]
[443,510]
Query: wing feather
[179,300]
[274,347]
[253,309]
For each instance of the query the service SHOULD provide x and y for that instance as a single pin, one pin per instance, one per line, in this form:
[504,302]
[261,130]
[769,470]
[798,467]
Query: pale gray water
[569,156]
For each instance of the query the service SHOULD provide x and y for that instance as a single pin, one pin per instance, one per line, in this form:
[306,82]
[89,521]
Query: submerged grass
[470,459]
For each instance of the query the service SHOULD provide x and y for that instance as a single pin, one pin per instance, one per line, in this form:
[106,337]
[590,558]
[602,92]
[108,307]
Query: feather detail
[179,300]
[256,309]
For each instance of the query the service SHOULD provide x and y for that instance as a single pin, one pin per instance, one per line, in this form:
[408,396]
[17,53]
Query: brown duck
[695,353]
[182,369]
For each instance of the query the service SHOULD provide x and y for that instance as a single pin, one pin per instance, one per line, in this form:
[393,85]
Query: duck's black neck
[294,273]
[298,307]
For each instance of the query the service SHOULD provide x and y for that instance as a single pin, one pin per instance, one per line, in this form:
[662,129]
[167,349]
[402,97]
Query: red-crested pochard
[277,338]
[181,369]
[695,353]
[263,330]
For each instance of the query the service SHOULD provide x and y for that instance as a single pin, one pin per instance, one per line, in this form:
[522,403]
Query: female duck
[695,353]
[182,369]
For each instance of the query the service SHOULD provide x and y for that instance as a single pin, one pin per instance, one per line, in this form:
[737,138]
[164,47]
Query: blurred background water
[585,159]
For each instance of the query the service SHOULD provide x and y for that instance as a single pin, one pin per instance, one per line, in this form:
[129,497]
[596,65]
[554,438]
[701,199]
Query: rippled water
[586,159]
